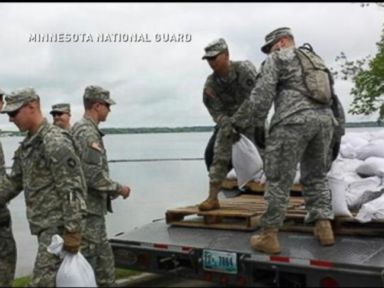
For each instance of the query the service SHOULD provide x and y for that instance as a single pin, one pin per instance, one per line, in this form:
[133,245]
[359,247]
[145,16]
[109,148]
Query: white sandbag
[74,271]
[231,174]
[339,203]
[259,176]
[345,169]
[246,160]
[357,188]
[372,149]
[297,177]
[347,151]
[377,135]
[356,140]
[373,210]
[372,166]
[366,197]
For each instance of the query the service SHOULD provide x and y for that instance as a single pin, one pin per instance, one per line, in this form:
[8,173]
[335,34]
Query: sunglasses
[56,113]
[13,114]
[213,58]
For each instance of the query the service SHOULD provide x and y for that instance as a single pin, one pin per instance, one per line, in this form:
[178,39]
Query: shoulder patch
[97,146]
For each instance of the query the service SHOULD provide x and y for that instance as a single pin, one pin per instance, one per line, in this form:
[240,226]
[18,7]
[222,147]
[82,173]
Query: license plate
[219,261]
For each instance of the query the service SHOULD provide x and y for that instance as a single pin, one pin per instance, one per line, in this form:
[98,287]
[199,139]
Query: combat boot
[212,202]
[267,241]
[323,231]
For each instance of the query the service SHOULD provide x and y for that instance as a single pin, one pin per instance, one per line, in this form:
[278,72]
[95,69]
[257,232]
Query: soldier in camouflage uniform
[7,242]
[61,114]
[48,169]
[101,188]
[225,90]
[300,132]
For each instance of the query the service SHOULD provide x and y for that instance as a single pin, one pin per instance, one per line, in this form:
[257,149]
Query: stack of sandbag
[356,176]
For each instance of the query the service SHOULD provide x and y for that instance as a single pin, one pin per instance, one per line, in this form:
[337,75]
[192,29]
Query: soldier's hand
[72,241]
[125,191]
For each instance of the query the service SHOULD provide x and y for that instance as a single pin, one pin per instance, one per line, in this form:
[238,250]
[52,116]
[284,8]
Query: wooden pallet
[238,213]
[241,213]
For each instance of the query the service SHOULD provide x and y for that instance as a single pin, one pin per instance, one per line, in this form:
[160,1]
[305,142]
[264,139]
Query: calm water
[156,185]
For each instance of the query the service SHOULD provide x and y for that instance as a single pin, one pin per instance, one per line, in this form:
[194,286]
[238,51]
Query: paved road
[156,280]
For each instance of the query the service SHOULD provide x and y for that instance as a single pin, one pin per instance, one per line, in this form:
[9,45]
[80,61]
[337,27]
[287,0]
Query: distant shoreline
[143,130]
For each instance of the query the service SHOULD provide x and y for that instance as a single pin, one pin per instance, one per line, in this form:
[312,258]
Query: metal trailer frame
[159,248]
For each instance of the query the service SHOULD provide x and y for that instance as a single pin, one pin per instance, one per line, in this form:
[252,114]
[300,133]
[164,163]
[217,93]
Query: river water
[156,185]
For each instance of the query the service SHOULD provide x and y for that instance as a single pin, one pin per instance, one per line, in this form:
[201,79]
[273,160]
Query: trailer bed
[364,252]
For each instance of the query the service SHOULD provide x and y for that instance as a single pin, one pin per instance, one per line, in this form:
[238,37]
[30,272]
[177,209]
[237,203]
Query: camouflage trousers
[222,152]
[7,254]
[46,264]
[97,250]
[303,138]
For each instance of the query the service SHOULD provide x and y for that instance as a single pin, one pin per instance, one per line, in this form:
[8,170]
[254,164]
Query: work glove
[260,136]
[72,241]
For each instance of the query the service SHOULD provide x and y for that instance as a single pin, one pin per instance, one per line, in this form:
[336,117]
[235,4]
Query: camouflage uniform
[61,108]
[101,189]
[7,242]
[223,97]
[47,168]
[301,131]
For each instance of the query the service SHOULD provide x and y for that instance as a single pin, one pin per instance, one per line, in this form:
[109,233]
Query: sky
[148,55]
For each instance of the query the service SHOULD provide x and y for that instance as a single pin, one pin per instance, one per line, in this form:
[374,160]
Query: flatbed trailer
[215,246]
[225,257]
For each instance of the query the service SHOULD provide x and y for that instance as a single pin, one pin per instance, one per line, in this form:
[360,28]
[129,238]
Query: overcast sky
[159,83]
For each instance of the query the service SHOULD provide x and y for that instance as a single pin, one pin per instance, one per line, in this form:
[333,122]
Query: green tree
[367,75]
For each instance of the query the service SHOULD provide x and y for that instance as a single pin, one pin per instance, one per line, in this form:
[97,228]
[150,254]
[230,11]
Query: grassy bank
[120,274]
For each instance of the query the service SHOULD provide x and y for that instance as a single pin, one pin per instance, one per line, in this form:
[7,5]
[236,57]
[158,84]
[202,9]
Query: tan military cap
[98,93]
[215,48]
[18,98]
[61,107]
[272,37]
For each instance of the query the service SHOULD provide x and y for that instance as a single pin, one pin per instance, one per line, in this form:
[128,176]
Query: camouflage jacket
[95,165]
[47,168]
[280,82]
[223,97]
[4,211]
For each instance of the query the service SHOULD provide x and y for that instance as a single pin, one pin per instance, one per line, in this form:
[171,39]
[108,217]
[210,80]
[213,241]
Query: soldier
[225,90]
[7,242]
[101,188]
[47,168]
[301,130]
[61,114]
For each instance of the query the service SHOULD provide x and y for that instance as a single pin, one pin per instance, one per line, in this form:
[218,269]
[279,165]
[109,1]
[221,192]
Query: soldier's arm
[265,89]
[12,184]
[243,118]
[69,181]
[2,162]
[215,106]
[96,175]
